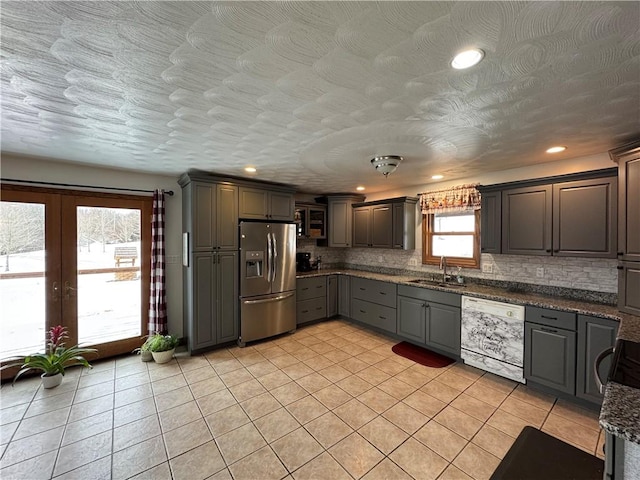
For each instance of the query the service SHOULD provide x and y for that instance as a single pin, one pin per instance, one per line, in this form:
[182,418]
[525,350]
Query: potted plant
[144,352]
[54,360]
[162,347]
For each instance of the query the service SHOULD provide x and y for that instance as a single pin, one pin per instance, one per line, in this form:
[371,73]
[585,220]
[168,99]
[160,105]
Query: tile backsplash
[599,275]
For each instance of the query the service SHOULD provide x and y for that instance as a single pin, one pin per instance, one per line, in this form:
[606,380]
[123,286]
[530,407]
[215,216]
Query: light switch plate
[540,272]
[487,268]
[413,262]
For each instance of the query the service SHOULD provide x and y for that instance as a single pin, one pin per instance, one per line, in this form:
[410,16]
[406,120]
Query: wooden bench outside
[125,255]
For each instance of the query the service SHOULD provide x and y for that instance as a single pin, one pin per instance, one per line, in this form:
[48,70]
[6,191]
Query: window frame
[427,242]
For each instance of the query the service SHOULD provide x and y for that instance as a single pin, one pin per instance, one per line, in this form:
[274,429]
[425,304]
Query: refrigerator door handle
[274,248]
[267,300]
[269,257]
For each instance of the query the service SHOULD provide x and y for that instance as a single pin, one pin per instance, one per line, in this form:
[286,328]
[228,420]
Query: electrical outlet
[413,262]
[380,259]
[487,268]
[171,259]
[540,272]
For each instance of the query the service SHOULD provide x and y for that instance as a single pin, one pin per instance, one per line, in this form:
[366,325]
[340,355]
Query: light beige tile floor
[329,401]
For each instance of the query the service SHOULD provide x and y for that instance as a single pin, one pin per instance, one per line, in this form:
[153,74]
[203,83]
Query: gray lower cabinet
[429,322]
[412,318]
[212,310]
[311,299]
[332,295]
[550,356]
[344,296]
[374,303]
[594,336]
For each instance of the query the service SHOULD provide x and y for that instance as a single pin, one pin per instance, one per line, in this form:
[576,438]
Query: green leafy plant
[161,343]
[144,347]
[55,358]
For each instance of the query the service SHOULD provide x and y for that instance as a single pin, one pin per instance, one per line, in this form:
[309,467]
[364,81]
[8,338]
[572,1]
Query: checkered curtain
[158,296]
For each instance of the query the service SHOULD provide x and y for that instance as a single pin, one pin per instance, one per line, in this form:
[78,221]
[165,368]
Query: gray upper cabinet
[526,220]
[211,216]
[628,159]
[385,224]
[264,204]
[629,287]
[490,217]
[572,215]
[585,218]
[594,336]
[340,217]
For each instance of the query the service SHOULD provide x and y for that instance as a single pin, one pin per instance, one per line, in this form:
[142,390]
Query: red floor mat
[421,355]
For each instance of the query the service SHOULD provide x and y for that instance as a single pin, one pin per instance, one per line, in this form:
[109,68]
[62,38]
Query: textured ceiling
[309,92]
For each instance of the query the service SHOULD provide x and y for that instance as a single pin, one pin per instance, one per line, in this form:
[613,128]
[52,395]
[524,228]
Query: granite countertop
[620,412]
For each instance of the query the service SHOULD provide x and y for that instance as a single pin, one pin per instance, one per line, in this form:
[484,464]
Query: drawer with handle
[312,309]
[553,318]
[373,314]
[382,293]
[313,287]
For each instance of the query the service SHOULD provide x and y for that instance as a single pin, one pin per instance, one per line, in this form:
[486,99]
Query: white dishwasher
[492,337]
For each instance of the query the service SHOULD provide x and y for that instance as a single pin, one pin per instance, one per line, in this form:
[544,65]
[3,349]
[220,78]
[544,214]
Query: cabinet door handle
[550,330]
[305,288]
[318,308]
[319,286]
[362,311]
[381,317]
[305,311]
[382,293]
[363,289]
[549,318]
[620,267]
[556,251]
[425,305]
[548,250]
[620,254]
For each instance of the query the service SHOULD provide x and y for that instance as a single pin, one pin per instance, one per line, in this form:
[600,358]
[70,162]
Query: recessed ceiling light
[250,169]
[437,177]
[557,149]
[467,59]
[360,188]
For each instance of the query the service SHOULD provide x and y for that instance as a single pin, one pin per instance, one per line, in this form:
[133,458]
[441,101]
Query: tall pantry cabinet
[210,258]
[628,159]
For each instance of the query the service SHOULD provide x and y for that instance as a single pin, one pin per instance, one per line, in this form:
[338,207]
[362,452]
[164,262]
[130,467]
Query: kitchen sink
[436,283]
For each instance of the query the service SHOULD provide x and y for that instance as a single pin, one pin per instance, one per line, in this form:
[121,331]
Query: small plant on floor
[55,358]
[161,343]
[144,351]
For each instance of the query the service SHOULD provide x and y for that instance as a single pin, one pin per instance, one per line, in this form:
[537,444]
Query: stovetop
[625,368]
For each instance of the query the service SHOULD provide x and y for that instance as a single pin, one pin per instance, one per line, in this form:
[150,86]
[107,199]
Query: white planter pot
[51,381]
[163,357]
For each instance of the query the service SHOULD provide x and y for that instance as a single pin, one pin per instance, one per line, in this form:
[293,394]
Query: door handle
[68,289]
[55,291]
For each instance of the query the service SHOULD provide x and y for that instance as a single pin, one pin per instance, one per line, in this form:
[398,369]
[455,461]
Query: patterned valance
[462,198]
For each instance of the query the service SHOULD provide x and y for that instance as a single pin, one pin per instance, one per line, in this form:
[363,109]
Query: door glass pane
[108,286]
[22,280]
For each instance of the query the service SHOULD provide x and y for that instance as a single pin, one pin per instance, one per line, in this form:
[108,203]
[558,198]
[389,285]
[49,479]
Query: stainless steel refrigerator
[267,280]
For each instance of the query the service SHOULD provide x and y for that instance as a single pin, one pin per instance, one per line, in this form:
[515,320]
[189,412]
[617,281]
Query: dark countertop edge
[620,412]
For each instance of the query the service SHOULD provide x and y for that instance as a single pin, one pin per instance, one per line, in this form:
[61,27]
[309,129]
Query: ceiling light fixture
[360,188]
[250,169]
[437,177]
[557,149]
[467,59]
[386,164]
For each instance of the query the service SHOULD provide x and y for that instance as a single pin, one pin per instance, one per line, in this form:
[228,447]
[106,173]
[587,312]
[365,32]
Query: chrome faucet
[443,267]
